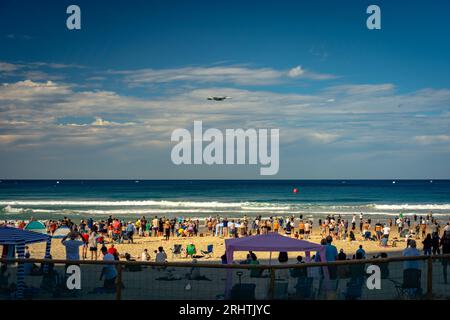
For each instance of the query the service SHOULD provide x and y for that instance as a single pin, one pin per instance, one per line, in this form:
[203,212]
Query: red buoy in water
[295,190]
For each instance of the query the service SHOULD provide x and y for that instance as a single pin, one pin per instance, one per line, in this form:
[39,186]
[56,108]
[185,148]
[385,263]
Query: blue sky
[102,102]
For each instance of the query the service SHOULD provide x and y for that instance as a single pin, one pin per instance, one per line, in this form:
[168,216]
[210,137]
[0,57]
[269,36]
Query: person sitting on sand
[361,250]
[341,255]
[112,250]
[145,256]
[223,258]
[254,272]
[247,260]
[161,256]
[299,272]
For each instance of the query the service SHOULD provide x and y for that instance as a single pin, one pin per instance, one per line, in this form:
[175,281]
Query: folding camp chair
[116,238]
[209,251]
[354,289]
[243,291]
[411,287]
[176,250]
[280,290]
[304,288]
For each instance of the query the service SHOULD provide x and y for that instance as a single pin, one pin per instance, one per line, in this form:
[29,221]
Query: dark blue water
[200,198]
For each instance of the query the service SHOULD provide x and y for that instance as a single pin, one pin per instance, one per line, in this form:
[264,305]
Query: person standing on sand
[331,255]
[225,227]
[92,243]
[85,238]
[130,231]
[167,230]
[423,229]
[145,225]
[409,265]
[427,243]
[445,244]
[307,229]
[288,228]
[301,229]
[172,226]
[155,222]
[109,272]
[276,225]
[72,247]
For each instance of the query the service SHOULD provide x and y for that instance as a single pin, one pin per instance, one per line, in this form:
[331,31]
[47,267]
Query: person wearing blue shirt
[361,251]
[331,254]
[411,251]
[331,251]
[130,231]
[109,272]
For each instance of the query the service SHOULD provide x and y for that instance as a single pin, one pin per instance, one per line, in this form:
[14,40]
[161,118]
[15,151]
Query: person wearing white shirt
[145,256]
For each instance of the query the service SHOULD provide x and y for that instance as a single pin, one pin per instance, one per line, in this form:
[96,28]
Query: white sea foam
[412,206]
[190,208]
[120,203]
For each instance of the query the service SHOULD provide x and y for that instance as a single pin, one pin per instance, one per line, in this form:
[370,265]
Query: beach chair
[354,289]
[280,290]
[209,251]
[176,250]
[116,238]
[411,287]
[298,272]
[243,291]
[304,288]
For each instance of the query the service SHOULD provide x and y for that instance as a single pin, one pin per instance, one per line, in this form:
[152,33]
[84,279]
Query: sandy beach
[152,243]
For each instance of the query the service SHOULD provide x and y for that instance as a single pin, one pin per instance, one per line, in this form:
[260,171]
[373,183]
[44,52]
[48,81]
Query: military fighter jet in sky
[220,98]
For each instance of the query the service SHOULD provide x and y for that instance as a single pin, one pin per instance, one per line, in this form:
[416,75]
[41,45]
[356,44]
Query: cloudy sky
[103,101]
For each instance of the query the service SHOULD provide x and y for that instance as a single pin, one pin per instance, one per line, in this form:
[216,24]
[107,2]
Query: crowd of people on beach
[94,237]
[93,233]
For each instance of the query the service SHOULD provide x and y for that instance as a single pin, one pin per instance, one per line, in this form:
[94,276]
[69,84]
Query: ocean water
[44,199]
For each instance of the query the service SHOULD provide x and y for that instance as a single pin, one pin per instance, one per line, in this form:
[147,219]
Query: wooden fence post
[430,278]
[119,282]
[272,283]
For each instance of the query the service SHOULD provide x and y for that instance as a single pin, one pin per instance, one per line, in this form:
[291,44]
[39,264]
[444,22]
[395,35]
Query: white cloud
[295,72]
[7,67]
[432,139]
[219,74]
[323,137]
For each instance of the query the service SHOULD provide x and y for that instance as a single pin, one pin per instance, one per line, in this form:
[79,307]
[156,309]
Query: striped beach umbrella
[20,238]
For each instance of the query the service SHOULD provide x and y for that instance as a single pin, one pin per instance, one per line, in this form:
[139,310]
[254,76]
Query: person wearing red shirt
[112,250]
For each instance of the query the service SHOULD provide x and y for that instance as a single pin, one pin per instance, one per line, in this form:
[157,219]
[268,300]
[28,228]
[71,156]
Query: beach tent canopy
[14,236]
[270,242]
[19,238]
[61,232]
[36,226]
